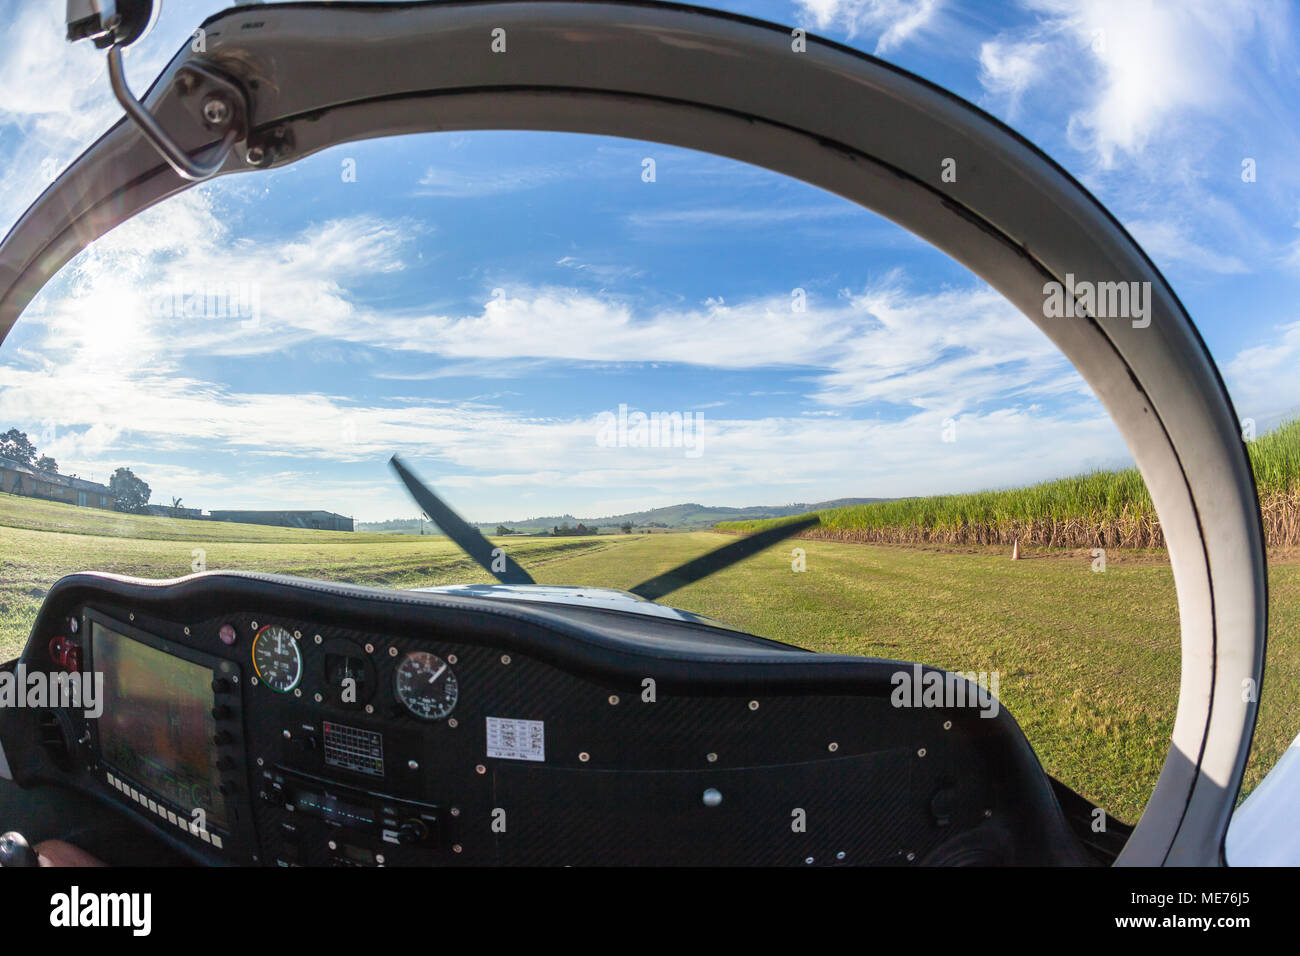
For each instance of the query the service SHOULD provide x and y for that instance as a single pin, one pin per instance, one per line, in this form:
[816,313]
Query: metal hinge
[222,104]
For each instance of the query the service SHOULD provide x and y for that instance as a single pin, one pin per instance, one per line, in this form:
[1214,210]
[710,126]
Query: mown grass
[1108,509]
[17,511]
[1088,662]
[33,555]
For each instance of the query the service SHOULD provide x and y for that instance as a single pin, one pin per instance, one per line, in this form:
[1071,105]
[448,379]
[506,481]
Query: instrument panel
[263,721]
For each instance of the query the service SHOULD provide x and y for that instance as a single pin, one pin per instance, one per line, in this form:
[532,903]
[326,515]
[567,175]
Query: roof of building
[67,481]
[274,511]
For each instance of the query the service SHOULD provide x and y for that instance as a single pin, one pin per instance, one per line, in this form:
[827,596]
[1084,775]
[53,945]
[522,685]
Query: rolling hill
[689,516]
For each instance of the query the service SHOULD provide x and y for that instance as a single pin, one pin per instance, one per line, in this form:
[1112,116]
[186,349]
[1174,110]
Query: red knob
[59,651]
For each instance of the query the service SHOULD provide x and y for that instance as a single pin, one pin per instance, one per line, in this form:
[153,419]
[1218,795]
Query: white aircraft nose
[1265,830]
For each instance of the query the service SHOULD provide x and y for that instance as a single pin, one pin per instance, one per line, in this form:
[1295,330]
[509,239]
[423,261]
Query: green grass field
[1088,662]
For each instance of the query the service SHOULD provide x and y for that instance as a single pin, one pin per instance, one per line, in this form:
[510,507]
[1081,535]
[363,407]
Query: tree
[502,530]
[132,494]
[47,464]
[625,527]
[177,504]
[17,446]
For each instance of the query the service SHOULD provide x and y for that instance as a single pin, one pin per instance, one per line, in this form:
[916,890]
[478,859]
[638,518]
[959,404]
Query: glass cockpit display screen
[157,725]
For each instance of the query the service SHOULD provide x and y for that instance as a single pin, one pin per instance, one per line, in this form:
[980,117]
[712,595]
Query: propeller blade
[467,537]
[725,556]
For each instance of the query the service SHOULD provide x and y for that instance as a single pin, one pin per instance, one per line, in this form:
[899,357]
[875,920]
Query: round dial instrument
[426,685]
[276,658]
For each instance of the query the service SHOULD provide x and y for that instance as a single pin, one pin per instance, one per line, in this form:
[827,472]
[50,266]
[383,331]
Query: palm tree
[176,506]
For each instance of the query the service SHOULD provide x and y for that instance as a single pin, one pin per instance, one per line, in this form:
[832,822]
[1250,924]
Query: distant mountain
[684,516]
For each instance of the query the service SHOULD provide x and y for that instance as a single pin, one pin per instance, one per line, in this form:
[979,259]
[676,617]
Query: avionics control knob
[412,831]
[221,686]
[15,851]
[222,712]
[226,763]
[223,738]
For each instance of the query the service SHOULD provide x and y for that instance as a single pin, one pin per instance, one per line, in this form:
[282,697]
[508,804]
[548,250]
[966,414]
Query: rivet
[947,725]
[832,746]
[712,797]
[297,692]
[808,860]
[911,856]
[584,756]
[613,700]
[297,635]
[452,659]
[455,811]
[753,705]
[413,764]
[921,752]
[253,625]
[332,845]
[370,648]
[452,723]
[841,855]
[216,111]
[318,639]
[455,848]
[318,698]
[392,652]
[379,858]
[480,769]
[370,708]
[187,632]
[505,658]
[711,758]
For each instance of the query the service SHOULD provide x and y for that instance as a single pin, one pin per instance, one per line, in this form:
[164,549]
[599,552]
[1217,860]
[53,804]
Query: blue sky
[477,301]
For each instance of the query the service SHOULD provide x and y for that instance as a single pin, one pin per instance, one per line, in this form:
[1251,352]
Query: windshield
[610,358]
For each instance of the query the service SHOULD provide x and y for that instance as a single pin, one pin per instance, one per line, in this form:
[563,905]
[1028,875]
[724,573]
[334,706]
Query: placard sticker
[513,739]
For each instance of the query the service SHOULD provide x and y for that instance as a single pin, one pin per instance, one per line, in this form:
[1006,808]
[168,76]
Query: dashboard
[260,720]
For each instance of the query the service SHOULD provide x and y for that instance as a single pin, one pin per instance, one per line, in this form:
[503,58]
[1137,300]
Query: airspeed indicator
[426,685]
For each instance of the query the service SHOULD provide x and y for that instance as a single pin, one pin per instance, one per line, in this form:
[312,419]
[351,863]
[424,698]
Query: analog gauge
[426,686]
[276,658]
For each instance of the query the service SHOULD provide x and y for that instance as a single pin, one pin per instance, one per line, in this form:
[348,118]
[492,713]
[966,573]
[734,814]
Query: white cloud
[1128,69]
[1263,378]
[730,217]
[1164,240]
[114,375]
[1009,68]
[477,181]
[894,20]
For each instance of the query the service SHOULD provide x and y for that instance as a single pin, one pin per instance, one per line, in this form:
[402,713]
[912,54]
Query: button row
[153,806]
